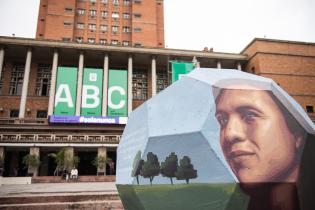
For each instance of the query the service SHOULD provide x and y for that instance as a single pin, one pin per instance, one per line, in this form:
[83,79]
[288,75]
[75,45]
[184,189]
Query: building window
[104,14]
[115,15]
[41,114]
[114,29]
[92,1]
[92,27]
[81,11]
[126,2]
[14,113]
[103,28]
[92,13]
[79,39]
[115,2]
[114,42]
[126,16]
[68,9]
[126,29]
[309,109]
[16,82]
[137,1]
[137,29]
[91,40]
[161,81]
[137,15]
[66,39]
[67,24]
[43,80]
[140,85]
[103,41]
[137,44]
[125,43]
[80,25]
[104,1]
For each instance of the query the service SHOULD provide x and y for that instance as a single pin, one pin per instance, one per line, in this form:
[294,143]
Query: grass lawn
[183,197]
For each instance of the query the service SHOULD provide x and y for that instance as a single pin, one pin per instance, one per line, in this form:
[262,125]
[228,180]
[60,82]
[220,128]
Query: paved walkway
[57,188]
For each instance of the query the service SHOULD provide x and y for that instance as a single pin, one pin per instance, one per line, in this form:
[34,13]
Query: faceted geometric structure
[178,150]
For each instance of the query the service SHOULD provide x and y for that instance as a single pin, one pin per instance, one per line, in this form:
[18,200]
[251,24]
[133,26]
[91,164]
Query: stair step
[95,205]
[64,197]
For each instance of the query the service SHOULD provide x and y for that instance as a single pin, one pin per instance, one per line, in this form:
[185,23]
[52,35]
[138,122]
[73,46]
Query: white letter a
[67,99]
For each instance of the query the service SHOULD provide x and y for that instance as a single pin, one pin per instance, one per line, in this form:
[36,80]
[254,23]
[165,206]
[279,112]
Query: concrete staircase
[61,201]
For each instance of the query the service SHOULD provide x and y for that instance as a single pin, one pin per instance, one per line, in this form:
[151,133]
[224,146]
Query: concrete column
[129,85]
[52,90]
[2,154]
[79,87]
[69,154]
[1,60]
[25,83]
[101,152]
[218,64]
[153,76]
[33,151]
[239,66]
[105,86]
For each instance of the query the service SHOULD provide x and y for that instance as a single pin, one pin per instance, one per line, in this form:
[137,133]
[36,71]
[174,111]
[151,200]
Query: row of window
[104,14]
[103,41]
[104,28]
[14,113]
[115,2]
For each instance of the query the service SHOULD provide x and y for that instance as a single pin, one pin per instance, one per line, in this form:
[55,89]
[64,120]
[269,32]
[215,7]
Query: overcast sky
[225,25]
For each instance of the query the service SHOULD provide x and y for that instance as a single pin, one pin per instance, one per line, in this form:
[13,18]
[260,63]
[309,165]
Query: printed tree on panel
[137,165]
[151,167]
[185,170]
[169,166]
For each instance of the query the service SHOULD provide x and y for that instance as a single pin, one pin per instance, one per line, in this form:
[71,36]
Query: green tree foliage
[151,167]
[169,166]
[32,162]
[100,161]
[64,160]
[185,171]
[137,166]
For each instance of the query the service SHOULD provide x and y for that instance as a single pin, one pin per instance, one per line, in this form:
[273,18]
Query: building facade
[106,22]
[29,81]
[291,64]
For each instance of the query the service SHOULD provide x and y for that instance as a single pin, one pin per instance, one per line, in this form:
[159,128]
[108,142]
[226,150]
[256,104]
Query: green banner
[66,90]
[181,68]
[92,89]
[117,93]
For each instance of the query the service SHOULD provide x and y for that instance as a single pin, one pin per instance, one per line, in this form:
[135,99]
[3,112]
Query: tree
[100,162]
[185,171]
[151,167]
[136,166]
[169,166]
[64,160]
[31,161]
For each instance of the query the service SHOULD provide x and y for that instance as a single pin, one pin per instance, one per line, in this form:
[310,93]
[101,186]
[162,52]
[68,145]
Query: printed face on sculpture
[254,136]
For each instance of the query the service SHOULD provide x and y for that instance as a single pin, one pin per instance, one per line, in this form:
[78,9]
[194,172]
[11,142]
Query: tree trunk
[187,181]
[171,180]
[137,179]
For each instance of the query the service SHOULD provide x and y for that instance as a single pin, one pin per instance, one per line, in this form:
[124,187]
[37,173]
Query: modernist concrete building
[107,22]
[29,79]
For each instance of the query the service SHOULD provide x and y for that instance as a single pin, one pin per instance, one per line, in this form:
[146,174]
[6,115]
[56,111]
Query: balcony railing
[28,121]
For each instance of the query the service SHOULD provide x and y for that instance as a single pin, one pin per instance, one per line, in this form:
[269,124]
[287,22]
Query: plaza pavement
[58,189]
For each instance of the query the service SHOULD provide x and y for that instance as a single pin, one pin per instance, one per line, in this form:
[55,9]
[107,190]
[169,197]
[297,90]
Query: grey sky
[225,25]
